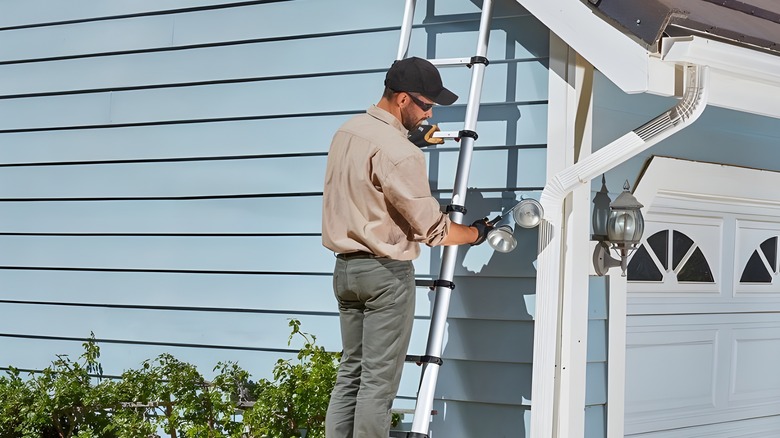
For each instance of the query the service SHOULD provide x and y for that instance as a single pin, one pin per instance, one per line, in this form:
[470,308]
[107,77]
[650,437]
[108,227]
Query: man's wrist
[483,227]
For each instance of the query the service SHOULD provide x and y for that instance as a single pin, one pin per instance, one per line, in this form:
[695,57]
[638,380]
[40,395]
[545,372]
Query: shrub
[297,398]
[72,399]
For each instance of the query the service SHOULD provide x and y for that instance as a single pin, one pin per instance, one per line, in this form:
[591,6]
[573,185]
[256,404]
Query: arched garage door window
[669,252]
[761,267]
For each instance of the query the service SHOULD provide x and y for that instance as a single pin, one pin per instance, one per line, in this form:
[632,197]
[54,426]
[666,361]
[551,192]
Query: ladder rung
[424,283]
[450,62]
[446,134]
[410,411]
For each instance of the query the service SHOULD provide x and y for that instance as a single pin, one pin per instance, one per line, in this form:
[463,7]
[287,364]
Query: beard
[409,120]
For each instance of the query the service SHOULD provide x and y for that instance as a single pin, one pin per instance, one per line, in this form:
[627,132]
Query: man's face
[419,110]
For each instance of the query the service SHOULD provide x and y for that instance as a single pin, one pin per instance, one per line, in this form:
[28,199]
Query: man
[377,209]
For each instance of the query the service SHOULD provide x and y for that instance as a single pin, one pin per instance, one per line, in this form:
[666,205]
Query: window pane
[659,243]
[770,251]
[680,246]
[755,271]
[642,267]
[696,269]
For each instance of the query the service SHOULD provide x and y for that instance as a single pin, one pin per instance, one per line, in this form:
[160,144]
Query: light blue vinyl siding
[246,176]
[41,12]
[161,168]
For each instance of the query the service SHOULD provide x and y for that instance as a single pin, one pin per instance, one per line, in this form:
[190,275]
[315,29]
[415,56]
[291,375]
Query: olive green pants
[376,307]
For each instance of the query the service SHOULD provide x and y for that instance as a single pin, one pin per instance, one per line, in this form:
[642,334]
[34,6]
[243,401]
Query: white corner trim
[569,131]
[621,59]
[616,356]
[545,390]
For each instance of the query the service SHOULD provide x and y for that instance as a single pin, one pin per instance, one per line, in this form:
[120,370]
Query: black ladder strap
[442,283]
[468,133]
[455,207]
[424,359]
[478,60]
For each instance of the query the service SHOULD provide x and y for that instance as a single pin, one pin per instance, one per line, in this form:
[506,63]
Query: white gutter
[740,78]
[544,390]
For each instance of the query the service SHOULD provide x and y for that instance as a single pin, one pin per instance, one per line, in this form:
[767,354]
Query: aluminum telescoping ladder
[431,361]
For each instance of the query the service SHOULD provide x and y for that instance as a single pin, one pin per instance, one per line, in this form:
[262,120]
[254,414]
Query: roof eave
[611,51]
[742,79]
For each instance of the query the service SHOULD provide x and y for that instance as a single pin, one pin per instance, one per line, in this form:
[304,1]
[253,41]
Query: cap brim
[446,97]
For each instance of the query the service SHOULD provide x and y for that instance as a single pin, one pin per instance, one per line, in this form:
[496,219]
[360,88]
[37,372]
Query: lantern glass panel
[625,226]
[600,219]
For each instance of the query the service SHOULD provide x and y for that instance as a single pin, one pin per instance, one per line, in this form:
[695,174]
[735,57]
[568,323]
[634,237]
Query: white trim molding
[546,392]
[611,51]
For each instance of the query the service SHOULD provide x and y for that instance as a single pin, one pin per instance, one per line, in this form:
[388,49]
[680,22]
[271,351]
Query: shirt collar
[388,118]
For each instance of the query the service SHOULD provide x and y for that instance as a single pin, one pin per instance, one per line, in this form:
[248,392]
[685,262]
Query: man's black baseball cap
[418,75]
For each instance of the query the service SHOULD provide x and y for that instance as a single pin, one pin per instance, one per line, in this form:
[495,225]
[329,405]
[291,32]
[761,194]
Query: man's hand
[483,227]
[422,136]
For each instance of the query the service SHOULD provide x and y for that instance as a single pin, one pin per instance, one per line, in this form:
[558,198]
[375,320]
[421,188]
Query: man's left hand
[422,136]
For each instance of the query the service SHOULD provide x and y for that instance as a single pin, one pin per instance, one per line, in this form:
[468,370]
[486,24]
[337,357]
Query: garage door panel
[755,377]
[702,357]
[752,428]
[688,371]
[670,371]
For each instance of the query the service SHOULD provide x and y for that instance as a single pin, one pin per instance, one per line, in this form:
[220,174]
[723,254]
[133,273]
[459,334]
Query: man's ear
[401,99]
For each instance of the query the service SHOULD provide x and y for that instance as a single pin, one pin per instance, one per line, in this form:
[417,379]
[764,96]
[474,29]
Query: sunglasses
[423,106]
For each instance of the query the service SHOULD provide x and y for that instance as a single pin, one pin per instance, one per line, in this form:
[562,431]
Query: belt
[356,255]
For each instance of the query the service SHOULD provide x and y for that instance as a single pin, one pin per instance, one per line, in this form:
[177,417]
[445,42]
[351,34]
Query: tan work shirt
[377,197]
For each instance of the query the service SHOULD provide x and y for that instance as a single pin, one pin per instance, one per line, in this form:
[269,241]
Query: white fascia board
[741,79]
[617,56]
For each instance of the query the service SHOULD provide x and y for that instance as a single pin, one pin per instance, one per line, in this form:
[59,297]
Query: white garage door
[703,325]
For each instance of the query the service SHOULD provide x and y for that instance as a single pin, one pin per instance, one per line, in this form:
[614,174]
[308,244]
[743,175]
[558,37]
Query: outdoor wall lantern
[621,231]
[527,214]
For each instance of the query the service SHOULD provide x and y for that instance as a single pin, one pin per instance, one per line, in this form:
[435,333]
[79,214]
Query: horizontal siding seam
[170,308]
[239,118]
[241,235]
[232,43]
[229,81]
[246,195]
[149,343]
[243,157]
[140,14]
[163,271]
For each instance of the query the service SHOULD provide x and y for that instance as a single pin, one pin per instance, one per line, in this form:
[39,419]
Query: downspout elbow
[685,112]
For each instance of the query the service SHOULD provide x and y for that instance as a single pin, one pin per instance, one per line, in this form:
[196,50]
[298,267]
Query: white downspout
[544,390]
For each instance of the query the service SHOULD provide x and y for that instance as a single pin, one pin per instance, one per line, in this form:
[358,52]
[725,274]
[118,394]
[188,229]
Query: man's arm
[460,234]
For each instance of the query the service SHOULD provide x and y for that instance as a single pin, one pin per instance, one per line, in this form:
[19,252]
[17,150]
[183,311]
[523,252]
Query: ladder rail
[443,293]
[406,29]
